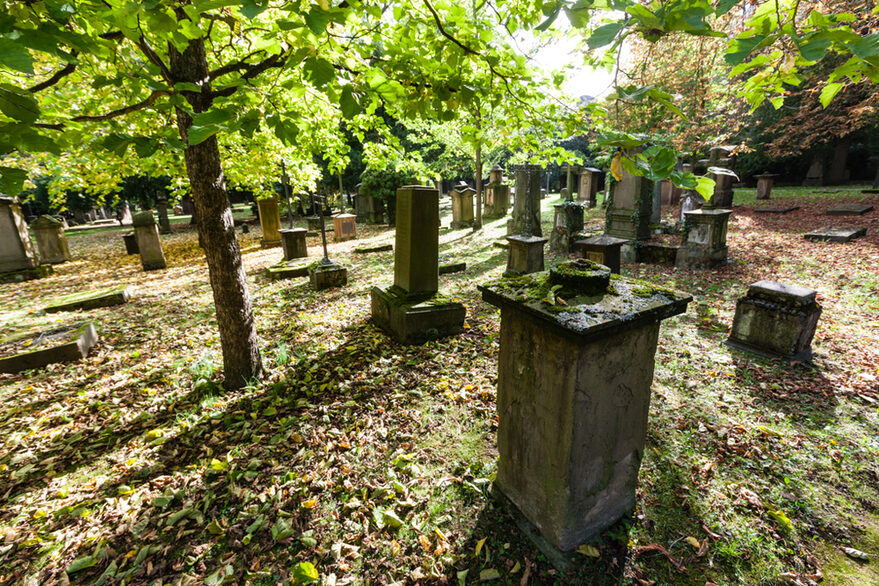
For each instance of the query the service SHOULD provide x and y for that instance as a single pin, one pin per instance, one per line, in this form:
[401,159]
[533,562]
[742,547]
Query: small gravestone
[130,241]
[344,227]
[704,239]
[270,221]
[764,185]
[373,249]
[152,257]
[850,209]
[603,249]
[162,208]
[47,347]
[288,269]
[462,206]
[776,320]
[91,299]
[51,242]
[836,234]
[452,267]
[293,243]
[325,273]
[722,157]
[497,194]
[411,310]
[588,191]
[777,210]
[19,261]
[574,375]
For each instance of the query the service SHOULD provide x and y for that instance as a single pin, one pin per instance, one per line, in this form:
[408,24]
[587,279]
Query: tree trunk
[216,228]
[836,170]
[477,224]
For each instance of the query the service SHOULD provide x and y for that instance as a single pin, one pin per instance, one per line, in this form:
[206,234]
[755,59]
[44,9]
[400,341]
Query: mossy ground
[371,460]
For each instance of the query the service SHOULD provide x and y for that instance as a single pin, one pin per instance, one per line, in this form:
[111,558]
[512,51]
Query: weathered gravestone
[162,208]
[602,249]
[270,221]
[670,194]
[836,234]
[764,185]
[704,239]
[721,157]
[630,207]
[815,174]
[776,210]
[850,209]
[51,242]
[344,227]
[589,177]
[462,206]
[567,224]
[497,194]
[130,241]
[526,201]
[293,243]
[776,320]
[411,310]
[19,261]
[526,247]
[152,257]
[91,299]
[573,396]
[38,349]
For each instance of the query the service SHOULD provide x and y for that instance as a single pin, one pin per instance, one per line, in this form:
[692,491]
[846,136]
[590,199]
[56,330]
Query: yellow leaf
[479,545]
[440,534]
[309,504]
[693,541]
[131,554]
[395,547]
[425,542]
[589,551]
[616,166]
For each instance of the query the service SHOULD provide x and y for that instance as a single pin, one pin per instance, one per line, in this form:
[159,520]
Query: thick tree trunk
[216,228]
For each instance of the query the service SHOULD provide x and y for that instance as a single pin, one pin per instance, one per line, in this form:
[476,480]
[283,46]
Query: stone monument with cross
[412,310]
[325,273]
[526,247]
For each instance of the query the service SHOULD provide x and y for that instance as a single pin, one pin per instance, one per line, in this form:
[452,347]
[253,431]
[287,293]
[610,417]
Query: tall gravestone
[527,200]
[411,309]
[764,185]
[270,220]
[462,206]
[705,229]
[51,242]
[723,157]
[630,207]
[152,257]
[526,246]
[19,261]
[162,208]
[497,194]
[589,186]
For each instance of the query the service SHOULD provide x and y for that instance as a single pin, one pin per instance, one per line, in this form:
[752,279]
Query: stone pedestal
[721,156]
[603,250]
[764,185]
[148,243]
[293,243]
[573,396]
[589,186]
[705,239]
[526,175]
[497,200]
[526,255]
[326,275]
[776,320]
[462,207]
[130,241]
[670,194]
[51,242]
[19,260]
[411,310]
[630,208]
[162,209]
[344,227]
[270,220]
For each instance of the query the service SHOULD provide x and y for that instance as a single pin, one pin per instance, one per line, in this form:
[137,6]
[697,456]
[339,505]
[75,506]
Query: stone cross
[320,201]
[286,184]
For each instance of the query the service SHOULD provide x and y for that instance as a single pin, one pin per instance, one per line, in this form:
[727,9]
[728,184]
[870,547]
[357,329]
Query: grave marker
[91,299]
[836,234]
[19,261]
[39,349]
[152,257]
[51,242]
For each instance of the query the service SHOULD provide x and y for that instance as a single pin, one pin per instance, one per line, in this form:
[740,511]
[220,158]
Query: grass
[134,464]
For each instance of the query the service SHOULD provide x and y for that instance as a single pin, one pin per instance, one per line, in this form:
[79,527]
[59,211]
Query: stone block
[850,209]
[415,320]
[776,320]
[91,299]
[705,242]
[526,254]
[270,221]
[17,252]
[152,257]
[51,242]
[293,243]
[130,241]
[776,210]
[416,256]
[836,234]
[39,349]
[573,395]
[603,249]
[462,207]
[630,209]
[19,276]
[327,275]
[372,249]
[287,269]
[764,185]
[344,227]
[452,267]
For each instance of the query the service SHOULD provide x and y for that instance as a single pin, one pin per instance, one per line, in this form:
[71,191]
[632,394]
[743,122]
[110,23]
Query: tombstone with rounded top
[462,206]
[51,241]
[152,257]
[19,261]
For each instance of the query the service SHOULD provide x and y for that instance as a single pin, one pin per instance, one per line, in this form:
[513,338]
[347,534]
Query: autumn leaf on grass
[304,573]
[489,574]
[781,519]
[479,545]
[589,551]
[693,541]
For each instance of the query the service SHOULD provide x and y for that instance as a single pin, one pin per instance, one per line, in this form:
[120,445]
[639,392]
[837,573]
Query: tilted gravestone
[776,320]
[270,220]
[51,242]
[152,257]
[19,261]
[574,374]
[764,185]
[411,310]
[91,299]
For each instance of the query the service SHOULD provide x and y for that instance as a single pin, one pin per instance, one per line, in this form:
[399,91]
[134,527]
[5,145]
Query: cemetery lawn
[360,461]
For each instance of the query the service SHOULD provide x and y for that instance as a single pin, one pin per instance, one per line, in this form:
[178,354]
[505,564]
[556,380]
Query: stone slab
[501,244]
[836,234]
[47,347]
[790,294]
[415,321]
[91,299]
[452,267]
[371,249]
[327,275]
[26,274]
[850,209]
[288,269]
[776,210]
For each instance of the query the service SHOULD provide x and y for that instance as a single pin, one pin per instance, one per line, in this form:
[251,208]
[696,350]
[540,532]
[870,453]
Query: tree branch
[58,76]
[251,72]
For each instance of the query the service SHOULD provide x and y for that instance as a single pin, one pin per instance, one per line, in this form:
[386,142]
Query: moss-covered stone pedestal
[91,299]
[38,349]
[526,255]
[411,310]
[776,320]
[293,243]
[325,275]
[574,373]
[602,249]
[705,243]
[288,269]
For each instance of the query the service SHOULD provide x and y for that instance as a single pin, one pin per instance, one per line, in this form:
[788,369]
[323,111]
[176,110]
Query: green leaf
[317,20]
[724,6]
[19,106]
[320,71]
[815,50]
[252,8]
[60,10]
[739,49]
[305,573]
[579,13]
[489,574]
[81,564]
[644,16]
[12,180]
[14,56]
[550,18]
[867,47]
[705,187]
[348,103]
[145,147]
[829,92]
[605,34]
[281,529]
[783,521]
[199,134]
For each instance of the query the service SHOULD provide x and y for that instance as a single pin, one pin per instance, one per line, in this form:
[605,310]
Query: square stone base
[526,255]
[326,276]
[26,274]
[414,321]
[287,269]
